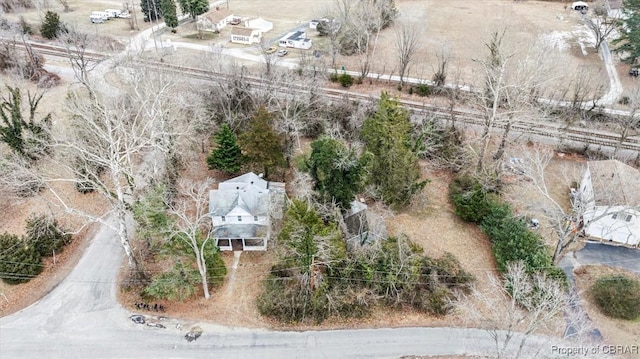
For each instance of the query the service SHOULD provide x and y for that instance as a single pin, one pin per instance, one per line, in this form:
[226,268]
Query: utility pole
[153,33]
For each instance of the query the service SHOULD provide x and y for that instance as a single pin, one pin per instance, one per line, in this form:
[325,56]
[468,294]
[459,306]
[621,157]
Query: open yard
[615,331]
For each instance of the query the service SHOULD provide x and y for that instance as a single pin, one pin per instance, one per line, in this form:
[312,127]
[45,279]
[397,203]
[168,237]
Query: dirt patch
[615,331]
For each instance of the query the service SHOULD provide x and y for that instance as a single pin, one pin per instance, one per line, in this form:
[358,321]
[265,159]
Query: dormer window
[239,218]
[223,219]
[255,218]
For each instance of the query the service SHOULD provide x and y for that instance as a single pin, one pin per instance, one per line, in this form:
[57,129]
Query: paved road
[82,319]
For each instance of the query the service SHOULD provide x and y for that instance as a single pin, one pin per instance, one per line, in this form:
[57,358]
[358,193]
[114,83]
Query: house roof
[356,218]
[247,201]
[242,31]
[614,183]
[215,16]
[295,36]
[259,24]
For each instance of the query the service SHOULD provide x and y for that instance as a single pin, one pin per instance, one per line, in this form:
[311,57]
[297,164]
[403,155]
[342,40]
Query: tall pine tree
[338,173]
[395,170]
[628,41]
[168,8]
[227,156]
[194,7]
[151,9]
[261,145]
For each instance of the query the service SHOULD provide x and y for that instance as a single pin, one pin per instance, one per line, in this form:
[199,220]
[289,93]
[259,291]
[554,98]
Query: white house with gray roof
[611,192]
[241,210]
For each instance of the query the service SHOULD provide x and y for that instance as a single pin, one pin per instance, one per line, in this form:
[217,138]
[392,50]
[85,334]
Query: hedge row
[511,239]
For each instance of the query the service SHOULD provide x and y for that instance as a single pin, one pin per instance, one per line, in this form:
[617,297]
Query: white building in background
[251,32]
[296,39]
[611,193]
[214,20]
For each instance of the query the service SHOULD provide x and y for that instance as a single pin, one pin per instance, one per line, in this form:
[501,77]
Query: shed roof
[615,183]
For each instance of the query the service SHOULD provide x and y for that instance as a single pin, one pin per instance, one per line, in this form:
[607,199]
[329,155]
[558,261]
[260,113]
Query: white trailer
[113,13]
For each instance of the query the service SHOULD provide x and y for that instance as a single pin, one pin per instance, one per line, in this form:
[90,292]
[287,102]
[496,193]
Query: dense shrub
[472,203]
[391,272]
[423,90]
[46,235]
[345,80]
[511,239]
[618,296]
[51,25]
[179,283]
[19,260]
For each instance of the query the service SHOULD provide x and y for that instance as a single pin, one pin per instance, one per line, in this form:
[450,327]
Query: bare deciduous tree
[117,145]
[601,25]
[534,303]
[628,125]
[192,222]
[566,221]
[406,44]
[77,44]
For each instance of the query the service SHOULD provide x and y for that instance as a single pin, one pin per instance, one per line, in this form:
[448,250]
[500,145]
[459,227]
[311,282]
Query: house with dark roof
[610,191]
[241,210]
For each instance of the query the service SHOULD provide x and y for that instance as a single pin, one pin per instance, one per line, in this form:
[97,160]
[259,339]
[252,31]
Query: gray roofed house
[610,191]
[241,210]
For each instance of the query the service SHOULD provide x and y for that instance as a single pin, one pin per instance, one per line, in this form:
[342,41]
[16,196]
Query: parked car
[137,318]
[635,72]
[282,52]
[235,21]
[271,50]
[96,20]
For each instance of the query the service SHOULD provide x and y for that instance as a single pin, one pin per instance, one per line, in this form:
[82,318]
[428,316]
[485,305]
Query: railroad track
[469,117]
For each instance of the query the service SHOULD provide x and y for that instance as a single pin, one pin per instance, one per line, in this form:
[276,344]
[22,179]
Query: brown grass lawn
[615,331]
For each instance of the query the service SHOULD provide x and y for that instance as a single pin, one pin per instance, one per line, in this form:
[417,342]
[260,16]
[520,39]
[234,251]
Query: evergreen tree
[168,8]
[395,170]
[628,42]
[19,260]
[261,145]
[151,9]
[227,156]
[338,173]
[46,235]
[28,138]
[50,25]
[194,7]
